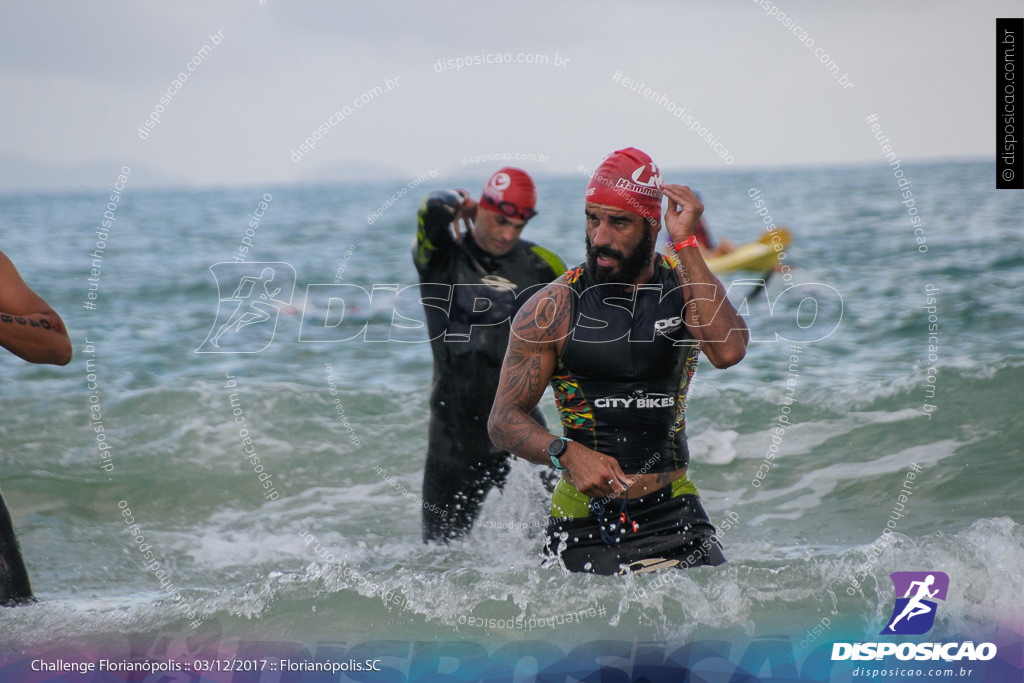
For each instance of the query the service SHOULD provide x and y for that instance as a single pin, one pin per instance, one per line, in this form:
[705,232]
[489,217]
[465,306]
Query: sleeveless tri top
[625,368]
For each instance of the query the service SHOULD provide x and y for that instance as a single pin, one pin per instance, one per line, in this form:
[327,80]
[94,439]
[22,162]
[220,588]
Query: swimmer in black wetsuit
[618,339]
[483,273]
[31,330]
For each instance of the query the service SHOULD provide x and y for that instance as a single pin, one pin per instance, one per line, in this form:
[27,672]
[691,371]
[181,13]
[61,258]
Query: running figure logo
[246,320]
[914,613]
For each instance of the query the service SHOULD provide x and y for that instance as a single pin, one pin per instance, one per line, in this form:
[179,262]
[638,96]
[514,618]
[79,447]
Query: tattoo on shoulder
[545,316]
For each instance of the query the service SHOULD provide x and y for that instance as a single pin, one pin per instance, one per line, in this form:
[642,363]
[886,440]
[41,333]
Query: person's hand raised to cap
[682,213]
[466,214]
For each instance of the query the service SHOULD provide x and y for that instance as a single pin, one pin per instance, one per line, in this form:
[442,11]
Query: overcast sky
[79,79]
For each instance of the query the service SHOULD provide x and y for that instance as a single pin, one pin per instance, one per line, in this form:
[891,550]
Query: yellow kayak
[757,256]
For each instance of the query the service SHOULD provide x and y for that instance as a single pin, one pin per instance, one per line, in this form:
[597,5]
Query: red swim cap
[510,192]
[627,179]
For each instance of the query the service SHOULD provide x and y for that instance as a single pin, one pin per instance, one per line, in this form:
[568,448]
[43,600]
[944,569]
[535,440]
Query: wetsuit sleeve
[435,241]
[553,260]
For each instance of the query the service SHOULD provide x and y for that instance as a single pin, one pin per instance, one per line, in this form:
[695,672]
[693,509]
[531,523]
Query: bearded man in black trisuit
[618,338]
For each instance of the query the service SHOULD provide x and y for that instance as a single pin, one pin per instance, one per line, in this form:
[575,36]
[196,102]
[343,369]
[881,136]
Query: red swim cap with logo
[510,191]
[627,179]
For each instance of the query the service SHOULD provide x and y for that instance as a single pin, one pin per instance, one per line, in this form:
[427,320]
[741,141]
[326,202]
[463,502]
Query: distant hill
[19,173]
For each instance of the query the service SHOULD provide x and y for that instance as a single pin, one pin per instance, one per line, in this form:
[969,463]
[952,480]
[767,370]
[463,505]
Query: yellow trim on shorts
[568,503]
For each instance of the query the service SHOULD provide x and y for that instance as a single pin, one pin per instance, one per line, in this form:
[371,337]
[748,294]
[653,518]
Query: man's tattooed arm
[529,363]
[538,333]
[29,328]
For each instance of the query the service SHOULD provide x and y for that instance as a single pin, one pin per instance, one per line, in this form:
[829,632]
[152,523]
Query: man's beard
[628,268]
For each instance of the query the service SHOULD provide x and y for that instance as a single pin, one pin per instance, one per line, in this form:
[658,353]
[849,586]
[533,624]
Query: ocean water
[312,564]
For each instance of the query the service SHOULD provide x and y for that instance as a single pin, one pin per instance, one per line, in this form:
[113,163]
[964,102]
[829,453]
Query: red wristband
[692,242]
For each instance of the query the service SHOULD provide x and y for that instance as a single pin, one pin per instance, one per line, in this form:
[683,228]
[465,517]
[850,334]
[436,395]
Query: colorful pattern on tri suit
[689,368]
[670,263]
[573,408]
[572,275]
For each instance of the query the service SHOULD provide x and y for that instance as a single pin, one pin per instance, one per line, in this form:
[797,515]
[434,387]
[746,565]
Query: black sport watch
[556,449]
